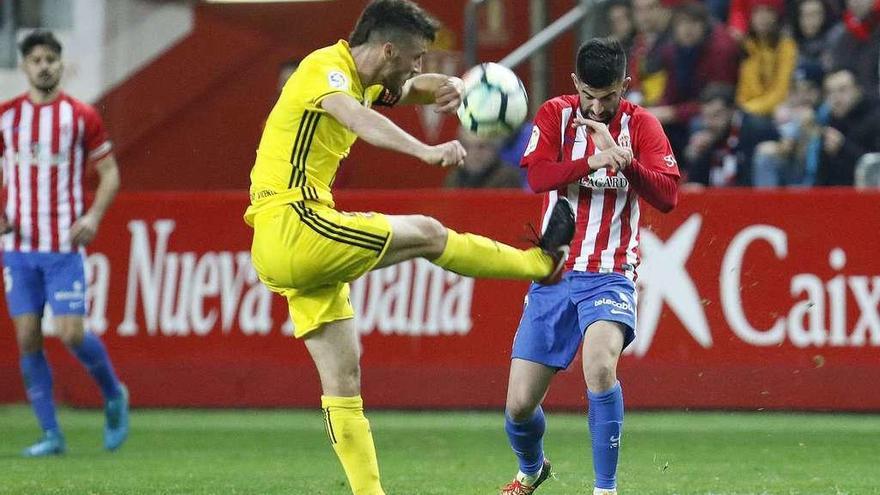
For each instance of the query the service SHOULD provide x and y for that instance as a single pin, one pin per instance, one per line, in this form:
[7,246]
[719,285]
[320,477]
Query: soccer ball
[494,102]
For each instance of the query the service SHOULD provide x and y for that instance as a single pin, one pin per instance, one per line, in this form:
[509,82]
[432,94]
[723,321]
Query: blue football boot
[116,420]
[52,443]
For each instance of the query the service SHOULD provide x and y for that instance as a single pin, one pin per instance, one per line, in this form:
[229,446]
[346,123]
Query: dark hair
[718,91]
[696,11]
[387,20]
[776,35]
[39,38]
[610,4]
[827,22]
[601,62]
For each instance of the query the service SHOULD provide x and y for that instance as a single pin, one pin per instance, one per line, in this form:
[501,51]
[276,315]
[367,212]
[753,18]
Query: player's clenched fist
[446,154]
[447,97]
[614,158]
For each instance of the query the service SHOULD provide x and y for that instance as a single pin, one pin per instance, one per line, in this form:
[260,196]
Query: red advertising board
[747,299]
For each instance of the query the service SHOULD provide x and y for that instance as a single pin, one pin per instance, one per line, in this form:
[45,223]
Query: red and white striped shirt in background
[606,203]
[45,149]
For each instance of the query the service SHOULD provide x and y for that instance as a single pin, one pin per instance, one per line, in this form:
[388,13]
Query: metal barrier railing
[7,34]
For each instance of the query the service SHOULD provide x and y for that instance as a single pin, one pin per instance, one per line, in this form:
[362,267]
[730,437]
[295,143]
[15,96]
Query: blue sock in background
[38,384]
[606,423]
[93,355]
[527,441]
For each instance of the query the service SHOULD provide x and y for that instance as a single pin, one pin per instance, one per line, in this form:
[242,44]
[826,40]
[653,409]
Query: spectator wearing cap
[700,53]
[853,129]
[811,29]
[854,44]
[711,157]
[793,159]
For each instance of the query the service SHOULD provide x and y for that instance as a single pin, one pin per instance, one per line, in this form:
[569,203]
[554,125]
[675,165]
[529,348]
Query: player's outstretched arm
[427,89]
[378,130]
[84,229]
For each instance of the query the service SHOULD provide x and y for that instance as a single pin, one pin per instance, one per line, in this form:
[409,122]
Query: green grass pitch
[440,453]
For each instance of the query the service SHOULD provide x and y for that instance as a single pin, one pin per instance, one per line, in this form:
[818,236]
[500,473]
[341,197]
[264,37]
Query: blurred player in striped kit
[47,139]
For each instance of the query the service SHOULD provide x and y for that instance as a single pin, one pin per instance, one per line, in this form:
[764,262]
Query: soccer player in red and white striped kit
[47,139]
[602,154]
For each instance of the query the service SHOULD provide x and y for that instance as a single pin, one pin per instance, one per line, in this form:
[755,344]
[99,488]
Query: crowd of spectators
[759,93]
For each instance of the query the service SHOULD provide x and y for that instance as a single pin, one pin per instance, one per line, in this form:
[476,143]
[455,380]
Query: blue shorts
[555,317]
[34,279]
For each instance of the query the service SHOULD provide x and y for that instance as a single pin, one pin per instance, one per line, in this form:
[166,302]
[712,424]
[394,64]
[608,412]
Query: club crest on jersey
[337,80]
[624,141]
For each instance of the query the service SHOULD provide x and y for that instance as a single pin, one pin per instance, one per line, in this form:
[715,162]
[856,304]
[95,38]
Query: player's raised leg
[477,256]
[335,349]
[524,424]
[603,343]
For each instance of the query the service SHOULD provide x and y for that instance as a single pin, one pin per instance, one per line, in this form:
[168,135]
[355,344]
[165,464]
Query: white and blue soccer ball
[494,101]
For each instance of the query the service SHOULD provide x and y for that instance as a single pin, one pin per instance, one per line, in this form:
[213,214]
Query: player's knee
[601,374]
[29,342]
[348,381]
[434,234]
[71,337]
[519,409]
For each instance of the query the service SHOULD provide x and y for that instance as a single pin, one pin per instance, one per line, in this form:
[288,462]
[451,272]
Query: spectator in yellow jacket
[764,77]
[771,56]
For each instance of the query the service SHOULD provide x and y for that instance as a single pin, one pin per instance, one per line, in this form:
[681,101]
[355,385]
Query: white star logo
[663,278]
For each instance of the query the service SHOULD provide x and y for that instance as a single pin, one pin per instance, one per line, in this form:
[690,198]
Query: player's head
[600,78]
[401,31]
[41,60]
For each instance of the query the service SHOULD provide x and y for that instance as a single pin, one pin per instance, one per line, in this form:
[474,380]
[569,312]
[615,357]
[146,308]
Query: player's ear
[388,49]
[625,86]
[576,81]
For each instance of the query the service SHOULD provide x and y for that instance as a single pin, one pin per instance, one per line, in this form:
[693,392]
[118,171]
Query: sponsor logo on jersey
[533,141]
[613,182]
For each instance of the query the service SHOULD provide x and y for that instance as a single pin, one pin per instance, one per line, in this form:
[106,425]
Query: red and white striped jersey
[45,149]
[606,205]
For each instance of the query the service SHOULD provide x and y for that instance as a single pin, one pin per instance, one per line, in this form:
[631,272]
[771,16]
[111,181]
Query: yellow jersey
[302,145]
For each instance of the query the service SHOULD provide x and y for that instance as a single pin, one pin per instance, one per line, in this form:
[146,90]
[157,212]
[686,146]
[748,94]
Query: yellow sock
[349,432]
[477,256]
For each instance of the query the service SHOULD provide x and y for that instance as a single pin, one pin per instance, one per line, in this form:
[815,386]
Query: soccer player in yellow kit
[308,252]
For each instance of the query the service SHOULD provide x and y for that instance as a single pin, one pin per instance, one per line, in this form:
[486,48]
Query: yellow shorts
[308,252]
